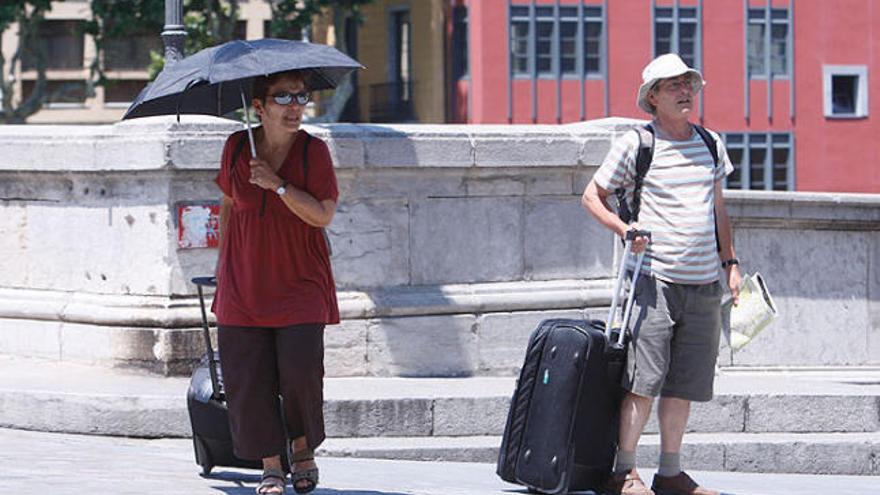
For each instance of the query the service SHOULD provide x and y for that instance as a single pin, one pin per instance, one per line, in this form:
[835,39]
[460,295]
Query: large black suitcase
[561,432]
[206,402]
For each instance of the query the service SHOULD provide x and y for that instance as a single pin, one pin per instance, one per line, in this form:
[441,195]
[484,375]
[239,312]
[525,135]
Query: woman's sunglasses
[285,98]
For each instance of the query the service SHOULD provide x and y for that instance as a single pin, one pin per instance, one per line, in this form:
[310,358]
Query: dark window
[545,26]
[686,43]
[240,31]
[568,39]
[519,40]
[761,161]
[556,52]
[59,92]
[131,52]
[757,29]
[593,26]
[844,93]
[62,43]
[122,91]
[459,43]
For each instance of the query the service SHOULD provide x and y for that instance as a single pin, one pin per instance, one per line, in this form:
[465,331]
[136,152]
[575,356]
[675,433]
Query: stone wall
[450,244]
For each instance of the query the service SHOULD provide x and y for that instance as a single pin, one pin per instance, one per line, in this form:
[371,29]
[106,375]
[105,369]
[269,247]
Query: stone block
[95,344]
[31,338]
[582,177]
[503,338]
[529,149]
[197,151]
[392,418]
[466,240]
[395,148]
[13,245]
[145,417]
[441,346]
[807,457]
[810,413]
[99,246]
[562,241]
[594,149]
[470,416]
[721,414]
[345,349]
[823,317]
[372,184]
[874,299]
[176,351]
[345,142]
[695,456]
[371,243]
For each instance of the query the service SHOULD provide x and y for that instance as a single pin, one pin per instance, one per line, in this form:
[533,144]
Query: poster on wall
[198,225]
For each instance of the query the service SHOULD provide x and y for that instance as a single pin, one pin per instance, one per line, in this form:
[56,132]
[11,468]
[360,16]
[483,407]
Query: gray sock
[670,464]
[626,460]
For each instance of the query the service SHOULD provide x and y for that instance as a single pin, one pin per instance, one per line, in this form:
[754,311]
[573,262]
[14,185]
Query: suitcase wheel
[203,458]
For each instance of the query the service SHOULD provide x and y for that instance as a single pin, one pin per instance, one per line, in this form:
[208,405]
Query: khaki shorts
[675,340]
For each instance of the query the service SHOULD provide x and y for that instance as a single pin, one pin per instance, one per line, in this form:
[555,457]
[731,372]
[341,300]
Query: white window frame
[861,104]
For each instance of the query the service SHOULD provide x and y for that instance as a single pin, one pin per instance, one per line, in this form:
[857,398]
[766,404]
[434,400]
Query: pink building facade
[789,81]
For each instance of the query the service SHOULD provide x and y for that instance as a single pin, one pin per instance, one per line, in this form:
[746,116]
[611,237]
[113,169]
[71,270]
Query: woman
[275,289]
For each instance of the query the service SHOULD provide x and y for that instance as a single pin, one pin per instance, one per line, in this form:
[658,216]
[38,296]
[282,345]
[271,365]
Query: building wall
[375,52]
[824,33]
[837,155]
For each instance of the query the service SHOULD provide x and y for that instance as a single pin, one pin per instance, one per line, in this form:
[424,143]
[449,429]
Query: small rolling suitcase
[206,402]
[561,432]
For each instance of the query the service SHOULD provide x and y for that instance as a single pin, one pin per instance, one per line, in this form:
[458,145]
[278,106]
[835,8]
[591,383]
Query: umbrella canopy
[216,80]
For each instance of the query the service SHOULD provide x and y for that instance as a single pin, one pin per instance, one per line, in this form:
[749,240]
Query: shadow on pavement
[237,479]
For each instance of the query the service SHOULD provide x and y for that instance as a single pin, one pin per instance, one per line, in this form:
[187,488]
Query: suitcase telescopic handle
[618,285]
[206,333]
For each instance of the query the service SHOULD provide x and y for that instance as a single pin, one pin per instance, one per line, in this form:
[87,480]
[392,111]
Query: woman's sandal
[309,475]
[272,482]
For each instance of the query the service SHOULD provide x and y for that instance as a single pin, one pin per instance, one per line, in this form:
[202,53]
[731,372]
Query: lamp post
[174,33]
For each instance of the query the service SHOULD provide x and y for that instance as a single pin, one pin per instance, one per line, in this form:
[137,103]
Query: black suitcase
[561,432]
[206,402]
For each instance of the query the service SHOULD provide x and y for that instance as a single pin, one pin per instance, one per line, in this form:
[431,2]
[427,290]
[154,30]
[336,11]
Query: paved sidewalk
[78,464]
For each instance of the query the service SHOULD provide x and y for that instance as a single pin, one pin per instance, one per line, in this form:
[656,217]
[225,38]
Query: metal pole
[174,33]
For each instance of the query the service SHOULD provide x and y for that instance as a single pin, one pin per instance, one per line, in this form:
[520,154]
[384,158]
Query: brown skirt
[259,364]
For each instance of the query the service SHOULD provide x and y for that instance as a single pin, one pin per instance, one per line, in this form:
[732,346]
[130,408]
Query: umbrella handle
[247,120]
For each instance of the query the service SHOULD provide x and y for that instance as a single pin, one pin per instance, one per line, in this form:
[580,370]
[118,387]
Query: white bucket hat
[664,67]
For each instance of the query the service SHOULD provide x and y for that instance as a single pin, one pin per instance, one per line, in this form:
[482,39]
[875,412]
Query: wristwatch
[730,262]
[282,188]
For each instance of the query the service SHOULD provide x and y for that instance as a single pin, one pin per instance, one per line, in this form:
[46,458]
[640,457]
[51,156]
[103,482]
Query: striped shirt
[678,198]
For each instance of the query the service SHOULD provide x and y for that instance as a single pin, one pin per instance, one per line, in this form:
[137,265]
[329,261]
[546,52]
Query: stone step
[63,397]
[807,453]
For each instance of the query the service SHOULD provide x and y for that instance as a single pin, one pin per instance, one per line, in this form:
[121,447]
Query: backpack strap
[709,140]
[712,144]
[644,157]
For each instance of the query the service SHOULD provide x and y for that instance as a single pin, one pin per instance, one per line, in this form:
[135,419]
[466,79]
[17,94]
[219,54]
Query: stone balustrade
[450,244]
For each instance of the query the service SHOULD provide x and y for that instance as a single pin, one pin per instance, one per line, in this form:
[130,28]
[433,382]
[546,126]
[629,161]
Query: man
[677,323]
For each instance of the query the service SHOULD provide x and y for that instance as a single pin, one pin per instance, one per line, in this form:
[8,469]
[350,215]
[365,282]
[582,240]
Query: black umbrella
[217,80]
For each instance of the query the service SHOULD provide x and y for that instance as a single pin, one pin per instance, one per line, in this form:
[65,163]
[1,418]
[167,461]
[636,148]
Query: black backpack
[643,162]
[305,161]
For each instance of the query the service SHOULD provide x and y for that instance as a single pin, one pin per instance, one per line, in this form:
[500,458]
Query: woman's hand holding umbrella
[263,176]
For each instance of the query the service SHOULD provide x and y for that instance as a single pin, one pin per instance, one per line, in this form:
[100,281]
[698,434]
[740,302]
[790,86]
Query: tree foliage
[29,16]
[207,22]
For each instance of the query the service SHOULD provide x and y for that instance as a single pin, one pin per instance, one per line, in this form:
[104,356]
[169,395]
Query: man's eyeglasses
[285,98]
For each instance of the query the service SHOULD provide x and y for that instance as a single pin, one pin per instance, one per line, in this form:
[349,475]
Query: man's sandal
[272,482]
[309,475]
